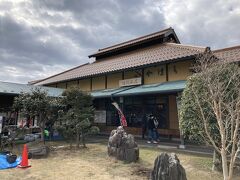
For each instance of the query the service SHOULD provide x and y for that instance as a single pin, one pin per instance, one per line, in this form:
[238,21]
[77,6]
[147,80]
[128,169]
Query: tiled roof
[231,54]
[15,88]
[136,41]
[155,54]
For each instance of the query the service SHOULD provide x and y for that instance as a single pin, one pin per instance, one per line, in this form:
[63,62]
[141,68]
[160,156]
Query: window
[134,108]
[99,104]
[112,114]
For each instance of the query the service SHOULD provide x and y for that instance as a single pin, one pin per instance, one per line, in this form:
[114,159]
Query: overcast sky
[39,38]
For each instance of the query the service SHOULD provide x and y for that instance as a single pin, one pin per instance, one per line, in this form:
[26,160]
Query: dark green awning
[108,92]
[166,87]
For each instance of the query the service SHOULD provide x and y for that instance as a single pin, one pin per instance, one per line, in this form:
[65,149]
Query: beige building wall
[179,70]
[132,74]
[173,113]
[98,83]
[113,80]
[155,74]
[72,84]
[85,84]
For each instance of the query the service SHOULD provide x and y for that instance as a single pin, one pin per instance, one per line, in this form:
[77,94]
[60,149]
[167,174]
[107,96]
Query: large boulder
[36,149]
[38,152]
[168,167]
[123,146]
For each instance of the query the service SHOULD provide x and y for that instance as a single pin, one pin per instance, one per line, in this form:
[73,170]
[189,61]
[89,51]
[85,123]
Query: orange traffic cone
[24,162]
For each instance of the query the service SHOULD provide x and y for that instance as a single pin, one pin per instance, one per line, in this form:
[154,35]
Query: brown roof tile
[151,55]
[231,54]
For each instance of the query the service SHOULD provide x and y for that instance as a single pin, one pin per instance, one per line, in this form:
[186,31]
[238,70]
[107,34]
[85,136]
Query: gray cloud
[39,38]
[203,22]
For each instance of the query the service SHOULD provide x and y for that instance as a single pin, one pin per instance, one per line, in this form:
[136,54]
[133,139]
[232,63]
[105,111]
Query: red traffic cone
[24,162]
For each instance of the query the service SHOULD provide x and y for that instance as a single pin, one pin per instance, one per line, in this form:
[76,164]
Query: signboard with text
[130,82]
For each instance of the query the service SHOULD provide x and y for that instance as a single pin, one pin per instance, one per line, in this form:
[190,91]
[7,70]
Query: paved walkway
[164,144]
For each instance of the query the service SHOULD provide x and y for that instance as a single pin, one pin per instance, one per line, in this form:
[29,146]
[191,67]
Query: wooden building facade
[144,75]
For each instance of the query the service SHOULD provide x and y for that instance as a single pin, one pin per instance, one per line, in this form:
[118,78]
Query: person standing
[144,125]
[156,123]
[151,130]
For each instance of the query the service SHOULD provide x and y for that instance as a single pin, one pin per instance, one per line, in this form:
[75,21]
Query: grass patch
[94,163]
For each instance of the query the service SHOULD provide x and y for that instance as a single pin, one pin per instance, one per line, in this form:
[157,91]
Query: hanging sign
[130,82]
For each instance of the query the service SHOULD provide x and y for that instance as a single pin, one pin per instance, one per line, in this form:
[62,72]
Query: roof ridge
[227,48]
[186,45]
[60,73]
[170,28]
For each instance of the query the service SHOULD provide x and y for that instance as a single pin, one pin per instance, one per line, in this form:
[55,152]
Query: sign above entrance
[130,82]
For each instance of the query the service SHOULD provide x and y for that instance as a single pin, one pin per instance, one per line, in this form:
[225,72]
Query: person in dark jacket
[144,125]
[151,130]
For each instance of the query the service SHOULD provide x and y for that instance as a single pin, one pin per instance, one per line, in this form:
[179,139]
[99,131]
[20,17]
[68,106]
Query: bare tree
[220,91]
